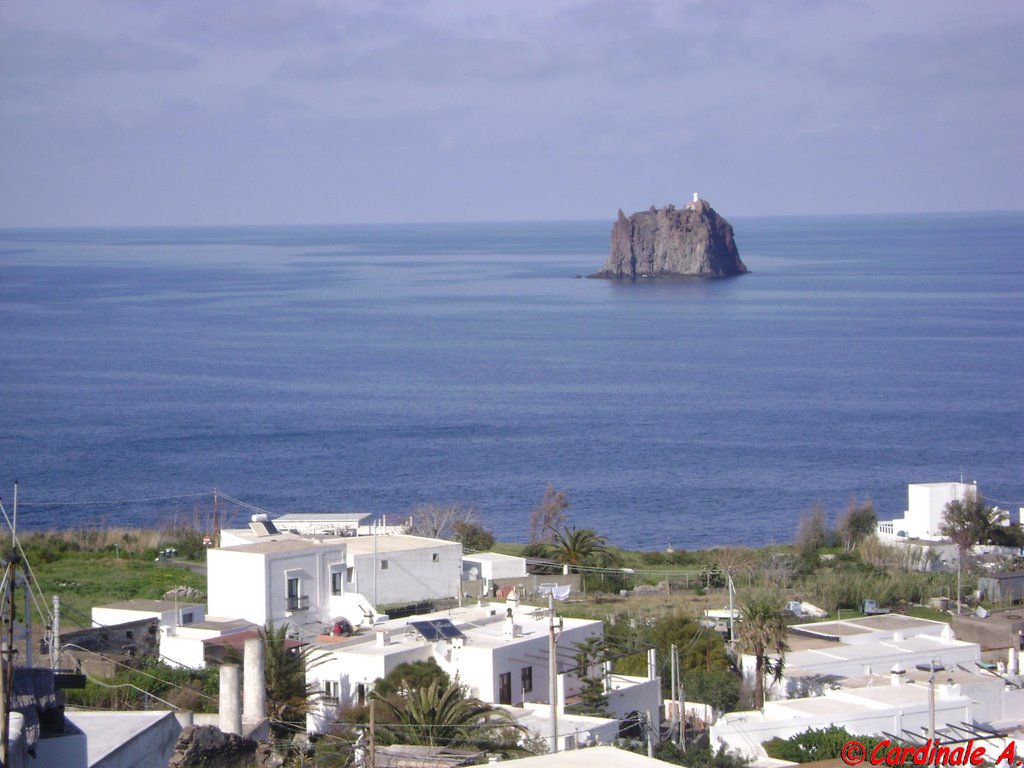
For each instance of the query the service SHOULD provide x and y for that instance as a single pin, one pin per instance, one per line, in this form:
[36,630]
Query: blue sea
[375,368]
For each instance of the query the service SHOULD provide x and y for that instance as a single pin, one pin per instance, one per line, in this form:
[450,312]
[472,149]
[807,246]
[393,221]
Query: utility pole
[675,679]
[732,616]
[682,706]
[371,746]
[55,634]
[553,672]
[216,522]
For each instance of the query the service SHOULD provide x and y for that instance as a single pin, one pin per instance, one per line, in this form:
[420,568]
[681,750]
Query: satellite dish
[562,592]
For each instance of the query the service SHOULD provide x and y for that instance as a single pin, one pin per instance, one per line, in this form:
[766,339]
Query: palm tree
[967,522]
[440,714]
[284,669]
[763,635]
[579,546]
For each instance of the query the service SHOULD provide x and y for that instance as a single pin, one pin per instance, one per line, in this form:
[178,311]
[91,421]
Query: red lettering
[878,753]
[1009,754]
[978,756]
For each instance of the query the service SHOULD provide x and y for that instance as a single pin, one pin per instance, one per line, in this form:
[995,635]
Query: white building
[926,504]
[169,612]
[281,578]
[877,705]
[500,659]
[186,646]
[824,655]
[322,523]
[309,581]
[399,569]
[489,566]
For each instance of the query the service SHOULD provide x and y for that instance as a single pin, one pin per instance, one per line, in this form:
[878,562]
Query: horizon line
[448,222]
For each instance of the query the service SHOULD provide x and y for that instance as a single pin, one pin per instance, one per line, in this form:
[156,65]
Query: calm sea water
[378,367]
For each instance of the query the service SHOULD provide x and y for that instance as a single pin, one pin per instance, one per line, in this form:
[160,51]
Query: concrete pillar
[184,717]
[230,700]
[253,684]
[1011,666]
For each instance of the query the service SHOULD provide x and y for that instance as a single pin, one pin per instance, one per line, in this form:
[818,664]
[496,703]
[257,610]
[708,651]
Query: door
[505,688]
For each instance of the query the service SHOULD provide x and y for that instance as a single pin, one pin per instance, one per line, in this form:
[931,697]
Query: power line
[38,504]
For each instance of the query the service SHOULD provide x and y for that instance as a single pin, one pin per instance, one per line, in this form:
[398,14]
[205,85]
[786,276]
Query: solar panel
[263,528]
[437,629]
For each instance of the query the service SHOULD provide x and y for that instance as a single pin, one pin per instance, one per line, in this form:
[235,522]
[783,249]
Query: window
[296,602]
[383,565]
[527,679]
[186,617]
[337,587]
[350,574]
[436,557]
[332,690]
[505,688]
[361,693]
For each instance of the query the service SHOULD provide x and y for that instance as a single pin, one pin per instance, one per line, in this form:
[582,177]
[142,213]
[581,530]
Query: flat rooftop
[322,517]
[281,542]
[490,557]
[149,606]
[220,624]
[862,625]
[393,542]
[591,757]
[106,732]
[483,627]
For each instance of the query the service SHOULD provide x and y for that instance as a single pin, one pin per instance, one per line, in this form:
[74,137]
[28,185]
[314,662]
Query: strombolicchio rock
[693,241]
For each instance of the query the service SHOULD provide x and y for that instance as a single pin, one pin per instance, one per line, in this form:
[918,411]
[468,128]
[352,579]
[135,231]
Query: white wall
[108,617]
[182,651]
[926,503]
[350,670]
[412,575]
[313,570]
[490,568]
[254,585]
[744,731]
[236,585]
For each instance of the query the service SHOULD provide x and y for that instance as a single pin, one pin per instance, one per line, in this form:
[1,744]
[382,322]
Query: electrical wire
[39,504]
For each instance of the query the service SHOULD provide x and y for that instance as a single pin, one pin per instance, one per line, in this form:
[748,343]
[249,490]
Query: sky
[145,112]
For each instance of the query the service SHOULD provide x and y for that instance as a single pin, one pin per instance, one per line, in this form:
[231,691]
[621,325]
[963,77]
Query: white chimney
[383,637]
[897,674]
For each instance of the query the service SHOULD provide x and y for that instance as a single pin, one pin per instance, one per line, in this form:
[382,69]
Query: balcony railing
[298,602]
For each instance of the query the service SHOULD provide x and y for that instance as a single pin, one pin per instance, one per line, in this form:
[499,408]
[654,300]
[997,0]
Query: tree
[441,714]
[473,537]
[707,673]
[967,522]
[411,675]
[579,546]
[812,533]
[439,521]
[548,516]
[590,657]
[284,670]
[762,634]
[815,744]
[857,522]
[719,688]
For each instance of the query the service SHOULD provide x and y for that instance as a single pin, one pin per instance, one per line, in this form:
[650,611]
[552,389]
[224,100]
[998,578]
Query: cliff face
[672,242]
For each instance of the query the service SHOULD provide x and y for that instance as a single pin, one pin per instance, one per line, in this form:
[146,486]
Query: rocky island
[693,241]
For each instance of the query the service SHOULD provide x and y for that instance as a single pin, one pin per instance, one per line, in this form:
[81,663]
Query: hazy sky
[324,111]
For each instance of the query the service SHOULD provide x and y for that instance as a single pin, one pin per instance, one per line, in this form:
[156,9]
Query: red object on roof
[237,640]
